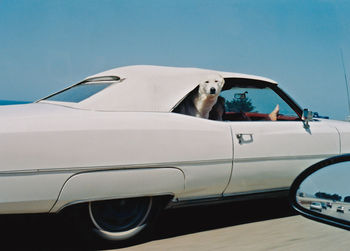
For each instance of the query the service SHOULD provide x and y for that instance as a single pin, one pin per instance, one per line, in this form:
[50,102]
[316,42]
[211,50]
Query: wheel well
[161,200]
[118,184]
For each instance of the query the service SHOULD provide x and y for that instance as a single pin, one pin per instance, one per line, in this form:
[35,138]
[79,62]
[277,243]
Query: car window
[256,104]
[78,92]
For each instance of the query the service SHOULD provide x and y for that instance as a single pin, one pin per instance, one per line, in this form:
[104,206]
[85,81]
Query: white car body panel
[99,148]
[272,153]
[30,192]
[344,134]
[63,140]
[128,183]
[76,146]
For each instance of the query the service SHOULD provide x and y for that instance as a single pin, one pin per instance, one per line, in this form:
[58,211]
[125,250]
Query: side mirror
[322,192]
[307,116]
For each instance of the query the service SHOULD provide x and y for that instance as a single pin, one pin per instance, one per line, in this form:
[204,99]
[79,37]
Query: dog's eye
[207,82]
[216,81]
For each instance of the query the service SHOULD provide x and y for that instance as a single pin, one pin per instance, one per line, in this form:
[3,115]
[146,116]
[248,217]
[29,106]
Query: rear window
[78,92]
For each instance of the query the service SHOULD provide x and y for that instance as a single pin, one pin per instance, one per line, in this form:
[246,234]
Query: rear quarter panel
[83,141]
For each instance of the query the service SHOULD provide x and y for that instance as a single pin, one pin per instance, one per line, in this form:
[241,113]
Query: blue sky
[333,179]
[47,45]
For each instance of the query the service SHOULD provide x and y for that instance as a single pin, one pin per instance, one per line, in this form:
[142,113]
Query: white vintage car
[112,145]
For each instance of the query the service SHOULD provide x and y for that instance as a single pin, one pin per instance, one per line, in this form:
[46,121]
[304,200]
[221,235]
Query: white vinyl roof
[149,88]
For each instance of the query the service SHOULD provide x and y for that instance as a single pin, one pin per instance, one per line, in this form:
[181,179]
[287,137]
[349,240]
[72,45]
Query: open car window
[256,104]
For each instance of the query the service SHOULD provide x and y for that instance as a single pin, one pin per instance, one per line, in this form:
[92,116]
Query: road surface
[290,233]
[254,225]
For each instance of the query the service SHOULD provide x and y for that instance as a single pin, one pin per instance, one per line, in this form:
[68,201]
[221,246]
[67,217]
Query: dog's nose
[212,90]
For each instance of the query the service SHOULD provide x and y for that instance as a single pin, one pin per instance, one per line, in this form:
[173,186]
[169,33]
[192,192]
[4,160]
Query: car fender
[116,184]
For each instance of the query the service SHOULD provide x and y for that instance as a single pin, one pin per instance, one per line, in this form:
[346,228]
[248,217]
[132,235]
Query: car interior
[251,100]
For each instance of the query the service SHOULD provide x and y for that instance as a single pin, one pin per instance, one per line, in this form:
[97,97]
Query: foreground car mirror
[307,116]
[322,192]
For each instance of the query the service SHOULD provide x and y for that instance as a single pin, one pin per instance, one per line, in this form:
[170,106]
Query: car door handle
[244,138]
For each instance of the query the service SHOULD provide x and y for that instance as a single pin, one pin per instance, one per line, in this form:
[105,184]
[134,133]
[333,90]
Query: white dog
[200,102]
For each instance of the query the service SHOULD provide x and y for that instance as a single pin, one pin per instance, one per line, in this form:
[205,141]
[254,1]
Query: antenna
[346,83]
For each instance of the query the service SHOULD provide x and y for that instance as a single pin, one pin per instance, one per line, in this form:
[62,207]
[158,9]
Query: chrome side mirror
[307,116]
[322,192]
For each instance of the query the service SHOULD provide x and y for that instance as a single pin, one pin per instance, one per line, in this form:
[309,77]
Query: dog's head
[212,85]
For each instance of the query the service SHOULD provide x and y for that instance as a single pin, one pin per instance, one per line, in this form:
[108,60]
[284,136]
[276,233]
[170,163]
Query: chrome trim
[114,167]
[271,190]
[227,198]
[278,158]
[102,79]
[162,164]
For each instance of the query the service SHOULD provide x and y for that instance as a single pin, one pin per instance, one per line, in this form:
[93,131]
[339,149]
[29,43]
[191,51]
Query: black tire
[122,221]
[119,220]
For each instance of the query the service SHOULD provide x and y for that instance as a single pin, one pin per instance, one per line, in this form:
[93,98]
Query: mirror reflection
[327,191]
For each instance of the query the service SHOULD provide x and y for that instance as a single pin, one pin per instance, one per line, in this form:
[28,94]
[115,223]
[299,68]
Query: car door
[271,148]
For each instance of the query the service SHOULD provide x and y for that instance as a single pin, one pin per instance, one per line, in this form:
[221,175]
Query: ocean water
[12,102]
